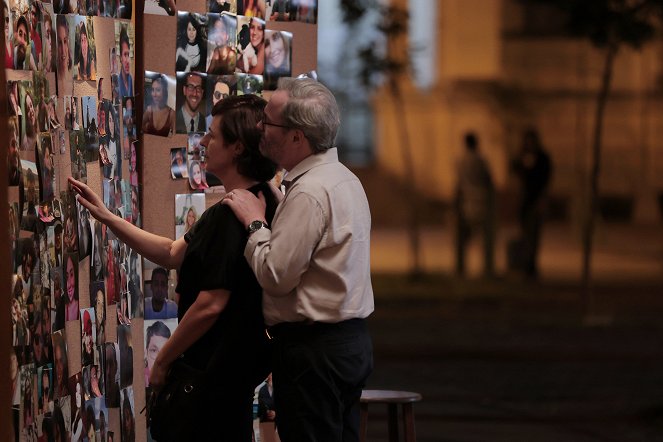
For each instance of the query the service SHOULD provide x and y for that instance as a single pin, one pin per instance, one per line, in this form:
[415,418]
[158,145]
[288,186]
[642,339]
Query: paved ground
[511,360]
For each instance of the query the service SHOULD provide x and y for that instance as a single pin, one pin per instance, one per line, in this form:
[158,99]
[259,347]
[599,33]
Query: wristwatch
[256,225]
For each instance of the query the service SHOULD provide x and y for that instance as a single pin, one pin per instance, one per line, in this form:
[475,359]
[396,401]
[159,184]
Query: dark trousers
[319,371]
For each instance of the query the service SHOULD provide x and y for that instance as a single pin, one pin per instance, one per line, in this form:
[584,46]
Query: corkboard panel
[159,190]
[160,44]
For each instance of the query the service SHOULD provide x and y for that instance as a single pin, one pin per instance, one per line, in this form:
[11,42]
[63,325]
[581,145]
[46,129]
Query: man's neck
[188,110]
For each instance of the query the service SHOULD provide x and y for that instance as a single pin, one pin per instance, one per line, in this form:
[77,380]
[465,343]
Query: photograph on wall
[126,355]
[102,108]
[156,333]
[249,84]
[49,46]
[85,57]
[160,301]
[124,43]
[160,7]
[30,189]
[305,11]
[90,123]
[114,61]
[218,88]
[88,336]
[190,102]
[197,175]
[159,113]
[98,303]
[97,260]
[46,167]
[53,119]
[279,10]
[278,57]
[128,127]
[45,388]
[111,374]
[45,212]
[70,222]
[71,312]
[112,160]
[127,414]
[84,231]
[222,44]
[112,276]
[61,377]
[13,157]
[40,100]
[188,208]
[29,111]
[22,58]
[218,6]
[115,88]
[27,373]
[252,8]
[77,155]
[135,206]
[58,299]
[250,45]
[135,283]
[77,402]
[178,163]
[75,114]
[191,53]
[19,313]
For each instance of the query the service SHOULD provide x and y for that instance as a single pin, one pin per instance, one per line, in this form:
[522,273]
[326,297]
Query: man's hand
[246,206]
[158,374]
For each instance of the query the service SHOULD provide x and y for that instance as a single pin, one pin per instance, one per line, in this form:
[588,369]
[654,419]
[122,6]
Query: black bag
[174,409]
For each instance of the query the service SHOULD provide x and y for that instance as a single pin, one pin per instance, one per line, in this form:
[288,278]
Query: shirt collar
[311,161]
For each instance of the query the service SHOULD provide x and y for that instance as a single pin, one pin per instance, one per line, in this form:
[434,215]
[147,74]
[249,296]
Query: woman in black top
[220,311]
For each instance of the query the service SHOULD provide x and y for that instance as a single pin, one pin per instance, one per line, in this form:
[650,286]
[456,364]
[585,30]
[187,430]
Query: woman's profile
[221,327]
[159,118]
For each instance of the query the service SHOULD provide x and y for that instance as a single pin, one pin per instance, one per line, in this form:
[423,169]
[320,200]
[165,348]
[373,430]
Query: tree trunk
[410,189]
[590,221]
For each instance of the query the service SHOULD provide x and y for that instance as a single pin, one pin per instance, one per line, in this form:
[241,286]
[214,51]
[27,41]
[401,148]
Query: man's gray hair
[311,108]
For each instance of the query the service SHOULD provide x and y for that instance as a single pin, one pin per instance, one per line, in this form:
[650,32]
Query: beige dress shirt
[314,263]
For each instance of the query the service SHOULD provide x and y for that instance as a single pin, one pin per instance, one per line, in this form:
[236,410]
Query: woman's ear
[238,148]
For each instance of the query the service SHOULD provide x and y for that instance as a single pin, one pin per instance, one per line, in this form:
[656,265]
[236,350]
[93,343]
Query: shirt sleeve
[280,257]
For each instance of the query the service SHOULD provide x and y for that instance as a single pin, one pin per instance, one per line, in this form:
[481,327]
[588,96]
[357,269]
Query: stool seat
[393,399]
[389,396]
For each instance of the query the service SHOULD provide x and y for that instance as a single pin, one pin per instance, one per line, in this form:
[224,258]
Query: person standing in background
[534,169]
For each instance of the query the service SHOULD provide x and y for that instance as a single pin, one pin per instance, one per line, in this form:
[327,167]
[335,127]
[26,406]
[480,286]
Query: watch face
[255,225]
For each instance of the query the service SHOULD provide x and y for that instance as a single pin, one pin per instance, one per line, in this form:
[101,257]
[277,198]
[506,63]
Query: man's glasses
[193,88]
[219,95]
[267,123]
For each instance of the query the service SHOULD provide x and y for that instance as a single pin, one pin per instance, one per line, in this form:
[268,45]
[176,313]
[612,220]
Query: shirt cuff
[256,238]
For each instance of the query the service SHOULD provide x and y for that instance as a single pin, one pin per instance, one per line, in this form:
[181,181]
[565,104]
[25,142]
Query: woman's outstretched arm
[158,249]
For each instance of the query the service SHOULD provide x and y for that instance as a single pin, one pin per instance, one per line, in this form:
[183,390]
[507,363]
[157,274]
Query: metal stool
[392,399]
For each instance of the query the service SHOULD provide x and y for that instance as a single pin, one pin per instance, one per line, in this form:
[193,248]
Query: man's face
[193,92]
[153,349]
[125,60]
[159,286]
[274,138]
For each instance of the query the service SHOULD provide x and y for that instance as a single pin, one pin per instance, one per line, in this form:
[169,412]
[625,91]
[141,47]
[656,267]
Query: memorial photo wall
[77,290]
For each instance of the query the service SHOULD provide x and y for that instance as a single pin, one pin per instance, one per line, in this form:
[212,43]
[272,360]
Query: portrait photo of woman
[197,179]
[71,286]
[278,50]
[250,45]
[159,115]
[178,167]
[188,208]
[87,336]
[49,47]
[86,59]
[191,54]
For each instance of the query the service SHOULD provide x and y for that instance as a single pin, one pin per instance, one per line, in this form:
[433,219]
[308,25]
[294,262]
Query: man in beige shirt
[314,266]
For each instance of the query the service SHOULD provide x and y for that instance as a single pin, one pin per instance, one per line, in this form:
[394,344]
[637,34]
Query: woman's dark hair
[88,62]
[241,115]
[157,329]
[190,18]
